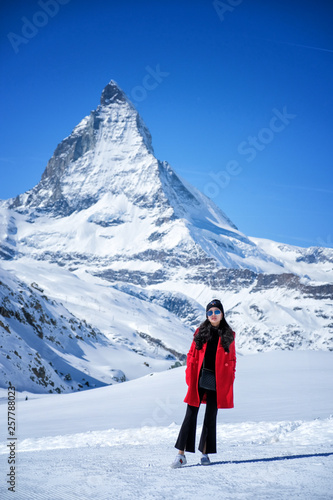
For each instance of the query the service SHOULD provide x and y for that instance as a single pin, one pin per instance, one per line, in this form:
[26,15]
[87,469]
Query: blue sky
[236,94]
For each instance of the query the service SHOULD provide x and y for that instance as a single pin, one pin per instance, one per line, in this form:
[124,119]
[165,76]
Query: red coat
[225,368]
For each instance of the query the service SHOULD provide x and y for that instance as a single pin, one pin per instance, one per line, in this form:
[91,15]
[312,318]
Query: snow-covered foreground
[117,442]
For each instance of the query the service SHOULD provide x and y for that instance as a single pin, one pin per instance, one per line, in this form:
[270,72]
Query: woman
[213,348]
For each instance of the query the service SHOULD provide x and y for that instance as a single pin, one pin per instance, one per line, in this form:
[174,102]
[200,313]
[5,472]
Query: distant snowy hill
[46,348]
[117,239]
[41,340]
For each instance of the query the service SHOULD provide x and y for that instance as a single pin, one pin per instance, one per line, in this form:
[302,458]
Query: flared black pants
[186,437]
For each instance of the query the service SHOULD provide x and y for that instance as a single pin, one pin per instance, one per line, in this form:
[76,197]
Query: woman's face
[216,317]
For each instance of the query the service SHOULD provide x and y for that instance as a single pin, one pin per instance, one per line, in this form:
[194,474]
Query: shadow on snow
[269,459]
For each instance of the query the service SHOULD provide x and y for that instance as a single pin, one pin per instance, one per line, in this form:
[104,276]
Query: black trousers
[186,437]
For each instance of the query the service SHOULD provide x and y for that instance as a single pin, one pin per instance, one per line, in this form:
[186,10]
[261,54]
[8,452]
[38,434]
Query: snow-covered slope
[315,264]
[46,348]
[117,442]
[42,343]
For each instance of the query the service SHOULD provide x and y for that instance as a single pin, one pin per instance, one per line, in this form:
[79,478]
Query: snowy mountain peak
[109,143]
[112,93]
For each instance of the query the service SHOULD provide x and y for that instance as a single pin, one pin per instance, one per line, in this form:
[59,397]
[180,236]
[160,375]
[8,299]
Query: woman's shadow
[269,459]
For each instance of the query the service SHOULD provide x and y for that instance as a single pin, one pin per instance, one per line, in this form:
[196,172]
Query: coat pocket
[190,370]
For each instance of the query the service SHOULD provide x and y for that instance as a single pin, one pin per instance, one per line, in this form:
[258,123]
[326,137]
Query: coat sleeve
[190,361]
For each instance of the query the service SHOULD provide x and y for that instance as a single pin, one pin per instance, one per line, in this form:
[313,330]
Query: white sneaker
[205,460]
[179,461]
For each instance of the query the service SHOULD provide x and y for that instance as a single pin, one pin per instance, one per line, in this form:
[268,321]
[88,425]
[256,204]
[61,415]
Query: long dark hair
[204,334]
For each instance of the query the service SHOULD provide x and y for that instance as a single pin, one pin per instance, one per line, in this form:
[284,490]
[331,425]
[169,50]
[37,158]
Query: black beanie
[215,303]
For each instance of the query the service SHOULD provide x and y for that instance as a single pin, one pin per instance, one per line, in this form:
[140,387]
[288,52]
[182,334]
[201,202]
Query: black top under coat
[210,354]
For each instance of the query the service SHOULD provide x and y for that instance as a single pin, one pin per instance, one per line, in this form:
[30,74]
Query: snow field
[134,468]
[117,442]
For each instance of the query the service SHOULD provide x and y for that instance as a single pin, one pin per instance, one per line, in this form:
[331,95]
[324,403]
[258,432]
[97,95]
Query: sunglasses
[217,312]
